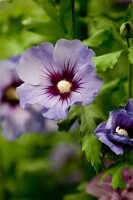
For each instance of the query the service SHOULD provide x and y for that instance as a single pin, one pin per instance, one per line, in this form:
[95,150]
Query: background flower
[104,191]
[56,78]
[13,119]
[117,132]
[62,155]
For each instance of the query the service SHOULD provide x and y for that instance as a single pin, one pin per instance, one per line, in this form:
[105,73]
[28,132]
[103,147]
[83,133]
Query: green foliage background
[25,172]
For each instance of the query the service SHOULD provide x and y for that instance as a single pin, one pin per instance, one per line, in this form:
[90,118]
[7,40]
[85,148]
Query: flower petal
[101,126]
[102,191]
[59,111]
[103,138]
[16,121]
[129,106]
[120,138]
[72,54]
[89,83]
[35,64]
[7,69]
[30,94]
[122,119]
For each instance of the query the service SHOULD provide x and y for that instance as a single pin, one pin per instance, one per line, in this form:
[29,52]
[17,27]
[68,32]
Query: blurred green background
[51,166]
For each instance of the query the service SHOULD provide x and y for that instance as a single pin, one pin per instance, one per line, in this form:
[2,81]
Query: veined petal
[30,94]
[122,119]
[103,138]
[89,83]
[46,70]
[36,63]
[120,138]
[71,54]
[59,111]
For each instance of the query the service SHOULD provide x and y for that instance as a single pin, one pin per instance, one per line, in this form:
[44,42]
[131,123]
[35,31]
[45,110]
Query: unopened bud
[126,30]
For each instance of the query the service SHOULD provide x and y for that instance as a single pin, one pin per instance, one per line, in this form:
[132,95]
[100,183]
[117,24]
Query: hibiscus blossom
[13,119]
[117,131]
[106,192]
[58,77]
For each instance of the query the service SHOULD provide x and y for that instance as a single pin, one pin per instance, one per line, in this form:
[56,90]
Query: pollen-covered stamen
[121,131]
[64,86]
[11,94]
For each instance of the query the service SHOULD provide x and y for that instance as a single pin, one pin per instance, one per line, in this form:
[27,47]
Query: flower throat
[10,95]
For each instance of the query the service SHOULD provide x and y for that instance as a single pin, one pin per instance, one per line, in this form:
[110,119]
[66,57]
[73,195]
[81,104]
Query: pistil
[64,86]
[121,131]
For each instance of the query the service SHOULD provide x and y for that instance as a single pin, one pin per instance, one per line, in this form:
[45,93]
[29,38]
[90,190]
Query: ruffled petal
[103,138]
[71,54]
[101,126]
[129,106]
[102,191]
[30,94]
[89,83]
[36,64]
[122,119]
[59,111]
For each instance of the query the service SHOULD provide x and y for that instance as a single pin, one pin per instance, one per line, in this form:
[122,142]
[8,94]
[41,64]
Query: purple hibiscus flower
[13,119]
[117,131]
[58,77]
[104,191]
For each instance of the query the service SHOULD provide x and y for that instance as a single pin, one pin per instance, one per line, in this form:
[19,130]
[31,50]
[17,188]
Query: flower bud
[126,30]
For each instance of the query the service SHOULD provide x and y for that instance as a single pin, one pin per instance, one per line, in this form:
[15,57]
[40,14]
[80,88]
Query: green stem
[129,74]
[73,18]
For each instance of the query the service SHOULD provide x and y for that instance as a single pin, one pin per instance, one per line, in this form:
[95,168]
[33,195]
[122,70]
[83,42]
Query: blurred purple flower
[56,78]
[117,132]
[14,120]
[104,191]
[63,156]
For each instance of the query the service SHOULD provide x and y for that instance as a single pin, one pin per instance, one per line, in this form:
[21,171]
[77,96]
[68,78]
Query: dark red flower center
[10,95]
[62,84]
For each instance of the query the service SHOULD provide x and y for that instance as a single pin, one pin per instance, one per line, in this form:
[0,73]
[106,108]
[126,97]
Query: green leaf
[89,113]
[129,13]
[97,38]
[92,148]
[107,61]
[94,111]
[117,37]
[90,143]
[50,10]
[87,122]
[46,28]
[130,55]
[74,113]
[116,172]
[113,85]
